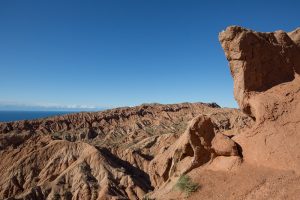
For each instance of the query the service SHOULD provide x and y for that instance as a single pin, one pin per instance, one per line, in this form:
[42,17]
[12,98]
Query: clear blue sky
[124,53]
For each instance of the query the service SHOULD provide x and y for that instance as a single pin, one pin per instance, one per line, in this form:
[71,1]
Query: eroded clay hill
[141,152]
[101,155]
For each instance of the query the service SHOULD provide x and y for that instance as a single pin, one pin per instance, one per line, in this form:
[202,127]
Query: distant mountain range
[46,107]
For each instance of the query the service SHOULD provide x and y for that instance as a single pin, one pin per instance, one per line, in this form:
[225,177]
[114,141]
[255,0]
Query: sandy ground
[247,182]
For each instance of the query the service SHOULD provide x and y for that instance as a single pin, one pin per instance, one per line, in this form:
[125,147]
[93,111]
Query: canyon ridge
[176,151]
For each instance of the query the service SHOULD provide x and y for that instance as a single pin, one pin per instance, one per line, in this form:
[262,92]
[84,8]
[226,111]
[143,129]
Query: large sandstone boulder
[198,146]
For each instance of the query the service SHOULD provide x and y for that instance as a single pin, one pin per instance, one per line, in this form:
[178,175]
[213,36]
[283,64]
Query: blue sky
[87,54]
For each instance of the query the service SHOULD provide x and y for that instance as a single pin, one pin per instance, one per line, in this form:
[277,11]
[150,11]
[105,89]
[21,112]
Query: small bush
[147,198]
[186,185]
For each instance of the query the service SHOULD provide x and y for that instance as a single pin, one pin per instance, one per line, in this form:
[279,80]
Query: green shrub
[147,198]
[186,185]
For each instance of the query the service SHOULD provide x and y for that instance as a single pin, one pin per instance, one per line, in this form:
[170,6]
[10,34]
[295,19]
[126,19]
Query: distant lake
[7,116]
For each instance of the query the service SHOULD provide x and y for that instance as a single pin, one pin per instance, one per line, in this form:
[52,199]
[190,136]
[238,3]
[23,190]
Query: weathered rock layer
[259,61]
[265,68]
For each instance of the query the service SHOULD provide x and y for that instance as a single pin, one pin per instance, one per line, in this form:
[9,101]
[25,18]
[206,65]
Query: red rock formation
[196,147]
[259,61]
[265,68]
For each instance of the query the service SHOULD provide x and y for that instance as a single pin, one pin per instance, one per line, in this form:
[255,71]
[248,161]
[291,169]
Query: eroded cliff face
[265,68]
[259,61]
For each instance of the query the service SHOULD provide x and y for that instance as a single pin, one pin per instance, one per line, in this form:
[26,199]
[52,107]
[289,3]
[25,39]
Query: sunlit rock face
[265,68]
[259,61]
